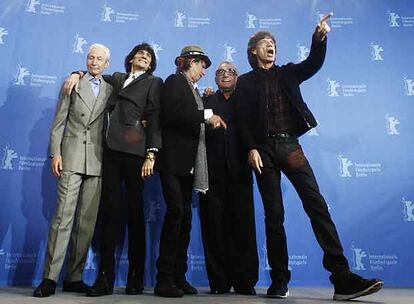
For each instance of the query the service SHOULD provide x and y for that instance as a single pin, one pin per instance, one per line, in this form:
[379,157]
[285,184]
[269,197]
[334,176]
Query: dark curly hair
[252,44]
[143,46]
[184,63]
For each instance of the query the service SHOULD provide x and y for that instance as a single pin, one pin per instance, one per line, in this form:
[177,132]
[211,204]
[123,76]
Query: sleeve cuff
[208,113]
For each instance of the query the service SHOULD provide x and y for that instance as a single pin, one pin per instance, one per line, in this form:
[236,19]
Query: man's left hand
[147,167]
[323,28]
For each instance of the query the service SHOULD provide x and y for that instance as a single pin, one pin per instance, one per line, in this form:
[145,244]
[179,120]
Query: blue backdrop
[363,98]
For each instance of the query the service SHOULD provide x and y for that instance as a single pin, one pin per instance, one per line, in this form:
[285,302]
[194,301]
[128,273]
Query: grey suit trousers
[74,220]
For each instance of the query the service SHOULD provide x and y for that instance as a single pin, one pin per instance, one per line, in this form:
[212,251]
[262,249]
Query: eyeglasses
[222,72]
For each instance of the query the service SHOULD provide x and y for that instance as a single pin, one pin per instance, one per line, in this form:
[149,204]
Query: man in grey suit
[76,160]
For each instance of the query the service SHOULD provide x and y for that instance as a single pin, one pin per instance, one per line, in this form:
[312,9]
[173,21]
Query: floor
[298,295]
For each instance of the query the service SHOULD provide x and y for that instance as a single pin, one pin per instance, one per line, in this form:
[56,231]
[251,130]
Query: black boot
[46,288]
[134,283]
[102,287]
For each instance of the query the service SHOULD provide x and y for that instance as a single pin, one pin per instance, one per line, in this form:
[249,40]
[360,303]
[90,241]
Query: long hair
[143,46]
[252,45]
[184,63]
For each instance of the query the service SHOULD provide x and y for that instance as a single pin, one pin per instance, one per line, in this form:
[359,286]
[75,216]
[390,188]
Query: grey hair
[230,63]
[103,47]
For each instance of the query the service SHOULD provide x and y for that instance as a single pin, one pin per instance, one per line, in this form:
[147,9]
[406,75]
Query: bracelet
[150,156]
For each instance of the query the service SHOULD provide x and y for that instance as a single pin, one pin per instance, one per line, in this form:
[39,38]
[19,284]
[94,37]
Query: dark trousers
[121,167]
[176,228]
[229,234]
[286,155]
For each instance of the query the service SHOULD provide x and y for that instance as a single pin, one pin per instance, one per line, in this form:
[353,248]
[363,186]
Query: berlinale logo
[250,21]
[344,165]
[8,156]
[31,6]
[392,124]
[303,52]
[408,210]
[393,19]
[333,87]
[157,48]
[409,87]
[3,32]
[376,51]
[357,255]
[179,19]
[21,73]
[228,52]
[106,13]
[90,260]
[266,265]
[78,44]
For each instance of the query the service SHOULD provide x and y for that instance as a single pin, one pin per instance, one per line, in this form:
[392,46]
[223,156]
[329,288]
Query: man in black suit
[183,166]
[272,115]
[226,210]
[132,139]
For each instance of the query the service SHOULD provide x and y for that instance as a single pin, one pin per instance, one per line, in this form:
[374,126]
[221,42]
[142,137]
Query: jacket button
[84,141]
[88,128]
[83,114]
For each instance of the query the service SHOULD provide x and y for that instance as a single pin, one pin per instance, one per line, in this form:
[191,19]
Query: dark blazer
[227,159]
[252,114]
[127,108]
[181,121]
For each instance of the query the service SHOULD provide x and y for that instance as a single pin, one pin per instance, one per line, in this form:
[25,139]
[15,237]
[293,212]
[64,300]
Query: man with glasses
[226,210]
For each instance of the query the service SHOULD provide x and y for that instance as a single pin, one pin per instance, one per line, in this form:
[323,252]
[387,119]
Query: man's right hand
[216,122]
[57,165]
[255,160]
[71,82]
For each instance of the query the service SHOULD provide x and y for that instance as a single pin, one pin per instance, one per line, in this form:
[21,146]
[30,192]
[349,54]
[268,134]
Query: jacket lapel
[100,104]
[143,76]
[86,93]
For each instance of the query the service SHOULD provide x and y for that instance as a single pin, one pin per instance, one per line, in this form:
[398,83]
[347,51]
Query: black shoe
[46,288]
[74,286]
[100,288]
[278,290]
[187,288]
[350,286]
[245,291]
[134,284]
[168,291]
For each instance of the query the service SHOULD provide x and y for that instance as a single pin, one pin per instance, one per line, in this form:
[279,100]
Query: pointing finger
[325,18]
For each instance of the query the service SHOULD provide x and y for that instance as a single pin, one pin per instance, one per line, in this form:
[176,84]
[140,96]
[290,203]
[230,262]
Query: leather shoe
[74,286]
[168,291]
[100,288]
[134,284]
[187,288]
[247,292]
[46,288]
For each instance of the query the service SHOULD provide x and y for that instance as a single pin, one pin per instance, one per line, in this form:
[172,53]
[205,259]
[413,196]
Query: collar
[136,74]
[90,77]
[194,84]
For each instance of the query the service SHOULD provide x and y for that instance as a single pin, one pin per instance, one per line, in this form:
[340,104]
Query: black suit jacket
[227,159]
[252,113]
[126,109]
[181,121]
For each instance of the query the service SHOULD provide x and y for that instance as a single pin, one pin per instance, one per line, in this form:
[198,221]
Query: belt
[282,135]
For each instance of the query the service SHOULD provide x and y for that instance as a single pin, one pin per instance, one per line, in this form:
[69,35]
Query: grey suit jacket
[77,129]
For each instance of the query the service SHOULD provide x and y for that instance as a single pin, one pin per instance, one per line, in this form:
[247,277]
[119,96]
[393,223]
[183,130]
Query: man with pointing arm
[271,116]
